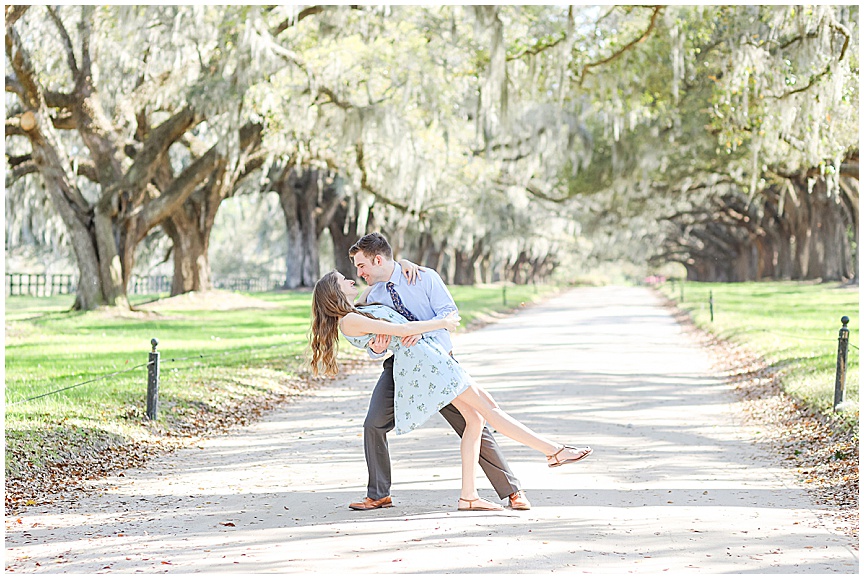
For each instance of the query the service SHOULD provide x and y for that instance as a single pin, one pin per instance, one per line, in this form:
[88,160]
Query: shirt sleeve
[375,356]
[440,298]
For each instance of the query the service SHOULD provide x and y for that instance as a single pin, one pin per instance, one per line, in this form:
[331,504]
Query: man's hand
[411,271]
[379,343]
[409,341]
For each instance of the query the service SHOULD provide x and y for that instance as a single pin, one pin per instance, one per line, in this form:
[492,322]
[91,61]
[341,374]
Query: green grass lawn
[210,360]
[794,326]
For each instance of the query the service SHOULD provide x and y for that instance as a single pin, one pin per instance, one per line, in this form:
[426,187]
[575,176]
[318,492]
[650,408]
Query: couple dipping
[421,378]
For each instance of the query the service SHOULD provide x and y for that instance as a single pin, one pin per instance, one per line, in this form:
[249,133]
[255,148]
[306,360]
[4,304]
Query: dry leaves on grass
[823,456]
[42,485]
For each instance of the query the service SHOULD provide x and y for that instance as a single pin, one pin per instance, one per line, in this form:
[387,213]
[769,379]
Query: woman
[426,378]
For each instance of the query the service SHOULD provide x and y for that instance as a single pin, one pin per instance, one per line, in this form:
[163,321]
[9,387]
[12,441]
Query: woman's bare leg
[469,449]
[480,400]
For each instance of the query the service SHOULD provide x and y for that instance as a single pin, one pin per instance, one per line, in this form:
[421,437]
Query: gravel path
[675,484]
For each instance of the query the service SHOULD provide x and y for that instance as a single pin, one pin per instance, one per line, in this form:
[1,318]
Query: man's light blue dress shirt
[427,299]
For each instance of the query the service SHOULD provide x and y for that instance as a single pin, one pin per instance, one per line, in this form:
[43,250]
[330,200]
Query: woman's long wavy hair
[329,305]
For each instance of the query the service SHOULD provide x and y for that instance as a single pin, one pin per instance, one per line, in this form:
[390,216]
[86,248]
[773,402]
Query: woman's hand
[411,270]
[451,321]
[379,343]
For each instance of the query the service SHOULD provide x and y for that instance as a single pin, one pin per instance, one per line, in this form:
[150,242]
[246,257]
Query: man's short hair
[372,244]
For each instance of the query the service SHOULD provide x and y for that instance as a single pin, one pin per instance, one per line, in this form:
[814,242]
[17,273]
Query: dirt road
[675,482]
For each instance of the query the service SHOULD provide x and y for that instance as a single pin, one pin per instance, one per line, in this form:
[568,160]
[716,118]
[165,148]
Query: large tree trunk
[515,271]
[801,231]
[343,231]
[849,197]
[190,227]
[462,268]
[779,232]
[819,228]
[485,266]
[300,258]
[189,230]
[830,247]
[799,219]
[104,235]
[429,254]
[309,198]
[76,213]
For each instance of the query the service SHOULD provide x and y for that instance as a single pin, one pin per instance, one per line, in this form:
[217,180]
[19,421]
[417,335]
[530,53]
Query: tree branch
[850,169]
[84,28]
[13,127]
[13,13]
[19,58]
[157,143]
[654,17]
[537,48]
[59,100]
[66,41]
[64,122]
[540,194]
[20,171]
[817,77]
[334,99]
[289,22]
[12,85]
[19,166]
[155,210]
[305,13]
[364,184]
[87,168]
[607,15]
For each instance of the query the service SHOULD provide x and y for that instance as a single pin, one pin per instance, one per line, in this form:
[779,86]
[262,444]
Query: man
[426,299]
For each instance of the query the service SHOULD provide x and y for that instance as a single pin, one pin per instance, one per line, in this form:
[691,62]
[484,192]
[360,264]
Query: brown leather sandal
[471,506]
[585,452]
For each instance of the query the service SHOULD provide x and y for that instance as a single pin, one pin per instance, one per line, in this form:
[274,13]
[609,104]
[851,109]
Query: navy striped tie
[398,305]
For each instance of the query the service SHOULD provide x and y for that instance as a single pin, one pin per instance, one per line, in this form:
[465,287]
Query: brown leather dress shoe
[519,502]
[368,504]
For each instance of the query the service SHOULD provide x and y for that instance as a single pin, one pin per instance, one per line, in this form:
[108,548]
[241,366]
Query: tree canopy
[490,142]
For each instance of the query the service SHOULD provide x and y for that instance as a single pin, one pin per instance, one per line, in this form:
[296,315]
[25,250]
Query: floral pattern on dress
[426,378]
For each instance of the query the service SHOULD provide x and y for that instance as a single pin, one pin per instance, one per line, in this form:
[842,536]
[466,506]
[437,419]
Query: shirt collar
[396,276]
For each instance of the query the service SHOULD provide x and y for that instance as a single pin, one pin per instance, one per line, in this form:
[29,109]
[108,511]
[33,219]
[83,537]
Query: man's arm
[439,296]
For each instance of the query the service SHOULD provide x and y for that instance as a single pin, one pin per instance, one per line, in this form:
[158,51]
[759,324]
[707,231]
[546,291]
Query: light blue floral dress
[426,378]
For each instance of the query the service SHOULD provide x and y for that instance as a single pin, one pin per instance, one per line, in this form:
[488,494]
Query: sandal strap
[472,501]
[555,456]
[560,450]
